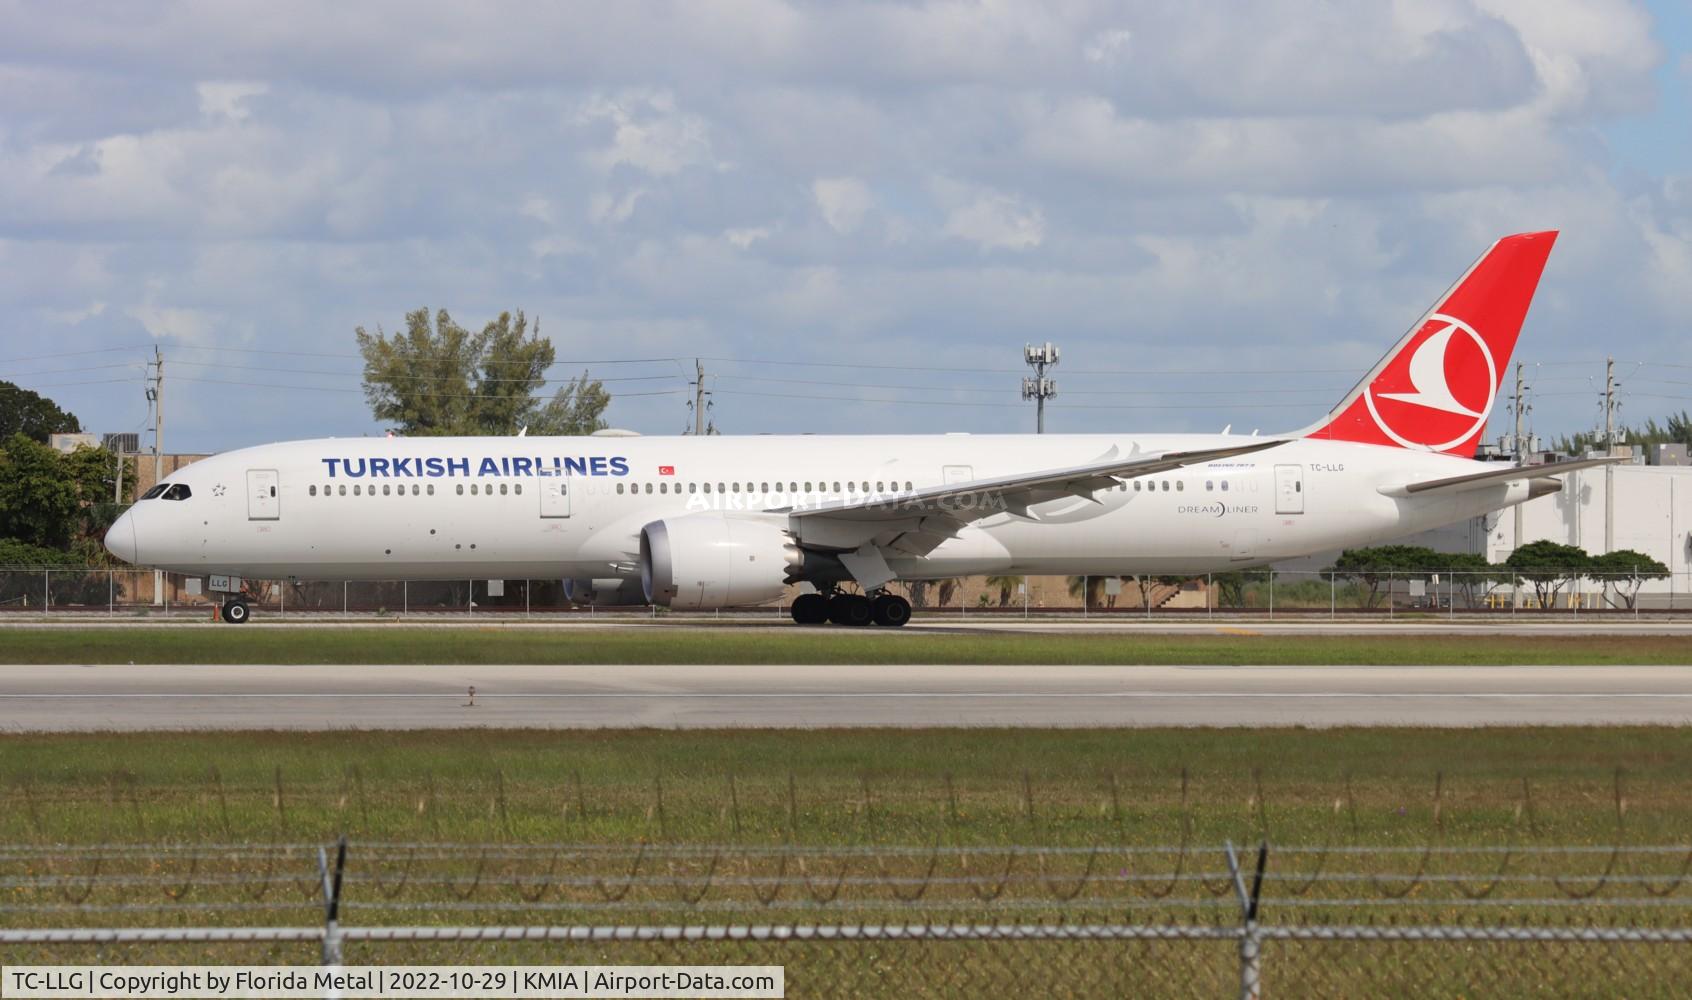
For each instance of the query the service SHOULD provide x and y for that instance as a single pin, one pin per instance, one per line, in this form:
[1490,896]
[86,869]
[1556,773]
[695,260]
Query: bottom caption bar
[353,982]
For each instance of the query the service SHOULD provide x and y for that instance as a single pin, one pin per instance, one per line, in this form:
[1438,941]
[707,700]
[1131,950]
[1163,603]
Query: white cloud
[604,208]
[649,134]
[228,98]
[187,326]
[73,317]
[995,221]
[1107,46]
[843,201]
[740,239]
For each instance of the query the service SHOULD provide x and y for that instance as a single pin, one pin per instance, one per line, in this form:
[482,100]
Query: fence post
[1209,585]
[405,598]
[526,599]
[1333,595]
[46,592]
[282,598]
[1271,594]
[343,598]
[1084,583]
[1251,939]
[111,593]
[332,900]
[470,602]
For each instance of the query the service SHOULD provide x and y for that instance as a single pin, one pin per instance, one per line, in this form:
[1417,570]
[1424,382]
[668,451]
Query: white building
[1652,513]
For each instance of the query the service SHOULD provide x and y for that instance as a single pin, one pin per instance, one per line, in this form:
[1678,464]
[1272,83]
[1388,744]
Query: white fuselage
[550,508]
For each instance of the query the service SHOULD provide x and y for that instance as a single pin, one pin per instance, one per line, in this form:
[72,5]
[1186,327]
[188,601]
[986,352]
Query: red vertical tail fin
[1434,390]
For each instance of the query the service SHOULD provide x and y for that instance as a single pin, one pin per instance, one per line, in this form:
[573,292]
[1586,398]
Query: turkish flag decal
[666,470]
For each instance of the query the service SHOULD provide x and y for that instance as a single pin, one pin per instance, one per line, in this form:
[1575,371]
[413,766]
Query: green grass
[605,785]
[645,644]
[862,788]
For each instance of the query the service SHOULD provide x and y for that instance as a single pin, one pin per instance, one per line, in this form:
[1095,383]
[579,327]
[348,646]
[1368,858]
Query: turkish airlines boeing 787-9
[705,522]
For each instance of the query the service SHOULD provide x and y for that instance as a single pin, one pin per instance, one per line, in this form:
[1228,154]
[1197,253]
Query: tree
[32,415]
[1625,571]
[56,501]
[1007,585]
[1471,573]
[444,380]
[1375,566]
[1549,566]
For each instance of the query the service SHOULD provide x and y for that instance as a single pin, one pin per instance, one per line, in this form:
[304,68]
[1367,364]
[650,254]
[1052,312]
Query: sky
[856,215]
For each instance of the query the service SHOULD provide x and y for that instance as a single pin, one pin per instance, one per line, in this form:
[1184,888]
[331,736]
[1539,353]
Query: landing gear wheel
[235,612]
[810,609]
[890,610]
[849,609]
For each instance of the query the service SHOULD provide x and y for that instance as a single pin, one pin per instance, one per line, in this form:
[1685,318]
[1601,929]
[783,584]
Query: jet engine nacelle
[613,592]
[716,560]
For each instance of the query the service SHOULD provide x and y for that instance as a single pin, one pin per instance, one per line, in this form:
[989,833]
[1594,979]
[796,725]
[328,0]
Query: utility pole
[1609,450]
[1039,388]
[1517,446]
[156,396]
[701,401]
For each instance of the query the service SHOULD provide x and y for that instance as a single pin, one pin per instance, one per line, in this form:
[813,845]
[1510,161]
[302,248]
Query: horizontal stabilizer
[1493,477]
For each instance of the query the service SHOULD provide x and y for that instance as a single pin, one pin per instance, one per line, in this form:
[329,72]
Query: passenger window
[386,489]
[763,487]
[1298,487]
[792,487]
[807,487]
[649,487]
[502,489]
[1209,485]
[1224,486]
[1180,485]
[460,489]
[343,489]
[311,490]
[357,490]
[908,484]
[837,487]
[619,487]
[719,488]
[707,487]
[431,489]
[1136,486]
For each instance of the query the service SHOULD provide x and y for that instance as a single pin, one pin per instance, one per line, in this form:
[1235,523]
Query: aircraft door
[1289,489]
[555,496]
[263,501]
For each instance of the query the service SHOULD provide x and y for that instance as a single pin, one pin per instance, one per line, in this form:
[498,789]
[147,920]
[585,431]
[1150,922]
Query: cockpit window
[178,491]
[155,491]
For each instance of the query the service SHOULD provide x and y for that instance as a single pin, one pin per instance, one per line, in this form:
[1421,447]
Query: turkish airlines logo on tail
[1438,392]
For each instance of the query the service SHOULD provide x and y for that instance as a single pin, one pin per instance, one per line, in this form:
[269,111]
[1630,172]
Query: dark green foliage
[32,415]
[56,500]
[443,380]
[1623,572]
[1549,566]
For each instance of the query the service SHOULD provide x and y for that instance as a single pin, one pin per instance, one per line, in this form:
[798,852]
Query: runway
[240,697]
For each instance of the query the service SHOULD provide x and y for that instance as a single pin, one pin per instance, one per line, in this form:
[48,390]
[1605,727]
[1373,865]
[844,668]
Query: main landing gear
[883,608]
[235,611]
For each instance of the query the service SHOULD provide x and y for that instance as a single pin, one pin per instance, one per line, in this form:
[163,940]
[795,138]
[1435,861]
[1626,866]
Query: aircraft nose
[120,538]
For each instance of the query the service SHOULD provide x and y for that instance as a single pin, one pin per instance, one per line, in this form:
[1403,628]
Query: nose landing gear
[879,608]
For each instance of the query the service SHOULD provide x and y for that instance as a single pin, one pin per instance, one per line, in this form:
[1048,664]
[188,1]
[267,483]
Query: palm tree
[1006,585]
[1093,585]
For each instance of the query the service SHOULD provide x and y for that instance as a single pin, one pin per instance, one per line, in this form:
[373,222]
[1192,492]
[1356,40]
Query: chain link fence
[895,921]
[95,593]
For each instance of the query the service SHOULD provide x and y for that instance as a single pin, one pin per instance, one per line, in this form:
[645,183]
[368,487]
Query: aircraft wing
[1494,477]
[916,523]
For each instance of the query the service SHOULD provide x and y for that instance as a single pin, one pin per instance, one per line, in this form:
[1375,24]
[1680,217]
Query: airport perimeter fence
[68,592]
[926,920]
